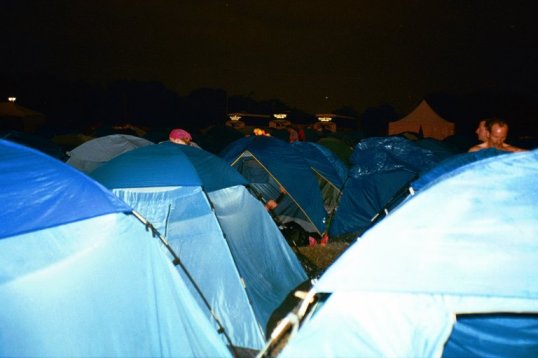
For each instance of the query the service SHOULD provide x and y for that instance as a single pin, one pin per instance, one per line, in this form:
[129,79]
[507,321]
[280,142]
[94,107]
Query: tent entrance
[266,187]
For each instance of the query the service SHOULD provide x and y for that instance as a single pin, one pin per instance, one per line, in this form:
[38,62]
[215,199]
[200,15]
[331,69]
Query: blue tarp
[429,176]
[452,163]
[94,283]
[464,245]
[284,166]
[441,149]
[381,154]
[225,237]
[381,166]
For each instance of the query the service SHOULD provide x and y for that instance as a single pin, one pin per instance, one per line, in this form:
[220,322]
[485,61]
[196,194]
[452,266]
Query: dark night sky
[314,55]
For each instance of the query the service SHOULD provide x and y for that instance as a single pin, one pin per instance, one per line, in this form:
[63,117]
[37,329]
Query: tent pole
[177,262]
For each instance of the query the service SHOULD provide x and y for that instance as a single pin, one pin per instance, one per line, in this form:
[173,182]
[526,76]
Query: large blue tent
[270,164]
[80,276]
[451,272]
[330,171]
[224,236]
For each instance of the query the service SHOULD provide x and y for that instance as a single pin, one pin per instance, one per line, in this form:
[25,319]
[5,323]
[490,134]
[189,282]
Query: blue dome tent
[329,169]
[451,272]
[269,164]
[222,234]
[80,276]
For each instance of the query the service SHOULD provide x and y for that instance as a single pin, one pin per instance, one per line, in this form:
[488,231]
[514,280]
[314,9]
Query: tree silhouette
[375,120]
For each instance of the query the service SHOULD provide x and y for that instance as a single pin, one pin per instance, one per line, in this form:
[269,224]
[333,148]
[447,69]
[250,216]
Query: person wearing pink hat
[181,136]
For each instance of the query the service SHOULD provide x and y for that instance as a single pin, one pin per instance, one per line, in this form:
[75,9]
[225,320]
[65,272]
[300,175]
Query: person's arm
[511,148]
[280,197]
[273,203]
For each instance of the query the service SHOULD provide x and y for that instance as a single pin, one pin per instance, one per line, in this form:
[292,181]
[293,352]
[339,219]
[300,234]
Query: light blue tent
[80,276]
[381,167]
[224,236]
[451,272]
[270,163]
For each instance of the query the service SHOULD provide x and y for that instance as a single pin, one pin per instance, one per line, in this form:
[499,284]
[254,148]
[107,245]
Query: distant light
[234,117]
[325,117]
[280,115]
[12,99]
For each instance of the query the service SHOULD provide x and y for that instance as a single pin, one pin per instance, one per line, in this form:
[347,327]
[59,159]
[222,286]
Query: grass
[322,256]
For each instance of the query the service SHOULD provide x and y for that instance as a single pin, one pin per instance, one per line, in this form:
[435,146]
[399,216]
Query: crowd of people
[491,133]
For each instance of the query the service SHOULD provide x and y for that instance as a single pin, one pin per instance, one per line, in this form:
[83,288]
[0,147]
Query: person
[293,135]
[481,131]
[181,136]
[493,135]
[482,134]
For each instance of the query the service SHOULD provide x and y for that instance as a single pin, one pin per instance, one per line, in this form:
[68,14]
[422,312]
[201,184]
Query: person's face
[177,141]
[497,136]
[482,131]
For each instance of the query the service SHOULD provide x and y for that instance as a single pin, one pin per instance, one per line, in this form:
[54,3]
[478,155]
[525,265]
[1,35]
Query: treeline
[76,105]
